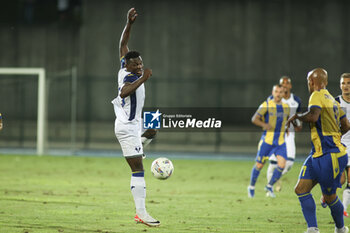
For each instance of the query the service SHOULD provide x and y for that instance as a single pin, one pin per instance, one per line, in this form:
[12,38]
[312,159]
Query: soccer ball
[162,168]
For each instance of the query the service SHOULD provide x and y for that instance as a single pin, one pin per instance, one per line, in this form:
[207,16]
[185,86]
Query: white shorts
[290,145]
[129,137]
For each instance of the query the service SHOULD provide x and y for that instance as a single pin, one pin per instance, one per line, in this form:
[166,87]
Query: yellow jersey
[275,115]
[325,132]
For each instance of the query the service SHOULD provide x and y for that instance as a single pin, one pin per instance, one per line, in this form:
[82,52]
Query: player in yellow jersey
[271,116]
[328,157]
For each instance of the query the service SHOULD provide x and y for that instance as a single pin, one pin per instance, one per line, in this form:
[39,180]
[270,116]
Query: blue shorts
[326,170]
[265,151]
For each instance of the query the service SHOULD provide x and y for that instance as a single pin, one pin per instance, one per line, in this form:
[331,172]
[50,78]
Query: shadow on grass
[52,227]
[46,202]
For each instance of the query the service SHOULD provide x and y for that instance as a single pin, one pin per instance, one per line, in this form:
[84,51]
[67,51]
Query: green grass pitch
[88,194]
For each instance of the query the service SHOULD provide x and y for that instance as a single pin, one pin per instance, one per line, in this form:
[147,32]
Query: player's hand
[147,73]
[266,127]
[132,14]
[297,128]
[291,120]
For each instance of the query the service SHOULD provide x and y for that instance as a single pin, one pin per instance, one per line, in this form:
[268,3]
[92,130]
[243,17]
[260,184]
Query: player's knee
[281,165]
[259,166]
[330,198]
[299,189]
[342,178]
[281,162]
[135,164]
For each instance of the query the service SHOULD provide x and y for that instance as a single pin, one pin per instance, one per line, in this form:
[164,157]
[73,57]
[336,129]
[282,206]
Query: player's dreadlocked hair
[131,54]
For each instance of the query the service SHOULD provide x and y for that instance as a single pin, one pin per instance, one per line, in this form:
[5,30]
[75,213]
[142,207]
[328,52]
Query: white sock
[270,170]
[138,190]
[145,141]
[346,198]
[289,164]
[312,229]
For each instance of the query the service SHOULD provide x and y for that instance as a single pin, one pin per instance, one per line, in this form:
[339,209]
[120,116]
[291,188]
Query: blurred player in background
[128,124]
[0,121]
[328,157]
[344,100]
[294,103]
[271,116]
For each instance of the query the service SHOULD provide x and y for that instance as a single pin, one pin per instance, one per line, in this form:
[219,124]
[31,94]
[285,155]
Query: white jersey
[345,139]
[294,103]
[128,110]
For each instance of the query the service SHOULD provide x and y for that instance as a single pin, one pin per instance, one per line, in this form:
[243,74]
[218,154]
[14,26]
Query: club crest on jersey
[151,120]
[138,149]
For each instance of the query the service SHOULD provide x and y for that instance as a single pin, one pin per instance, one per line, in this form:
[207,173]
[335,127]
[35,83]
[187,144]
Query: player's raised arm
[129,88]
[124,39]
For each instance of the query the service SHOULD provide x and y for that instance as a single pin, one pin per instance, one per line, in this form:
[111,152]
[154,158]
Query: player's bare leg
[148,136]
[138,190]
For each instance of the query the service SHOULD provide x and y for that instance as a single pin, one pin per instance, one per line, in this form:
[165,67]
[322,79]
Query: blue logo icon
[151,120]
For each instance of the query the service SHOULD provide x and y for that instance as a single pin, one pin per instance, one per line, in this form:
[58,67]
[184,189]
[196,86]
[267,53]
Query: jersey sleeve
[337,99]
[315,100]
[298,100]
[341,113]
[287,109]
[262,109]
[122,62]
[130,78]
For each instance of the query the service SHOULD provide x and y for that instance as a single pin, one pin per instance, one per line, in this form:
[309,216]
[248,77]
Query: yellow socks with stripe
[337,209]
[276,175]
[254,176]
[308,208]
[138,190]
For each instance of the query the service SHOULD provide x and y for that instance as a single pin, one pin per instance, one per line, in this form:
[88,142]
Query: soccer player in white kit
[128,124]
[294,103]
[344,100]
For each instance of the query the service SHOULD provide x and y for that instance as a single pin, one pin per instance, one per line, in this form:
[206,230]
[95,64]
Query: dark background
[203,54]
